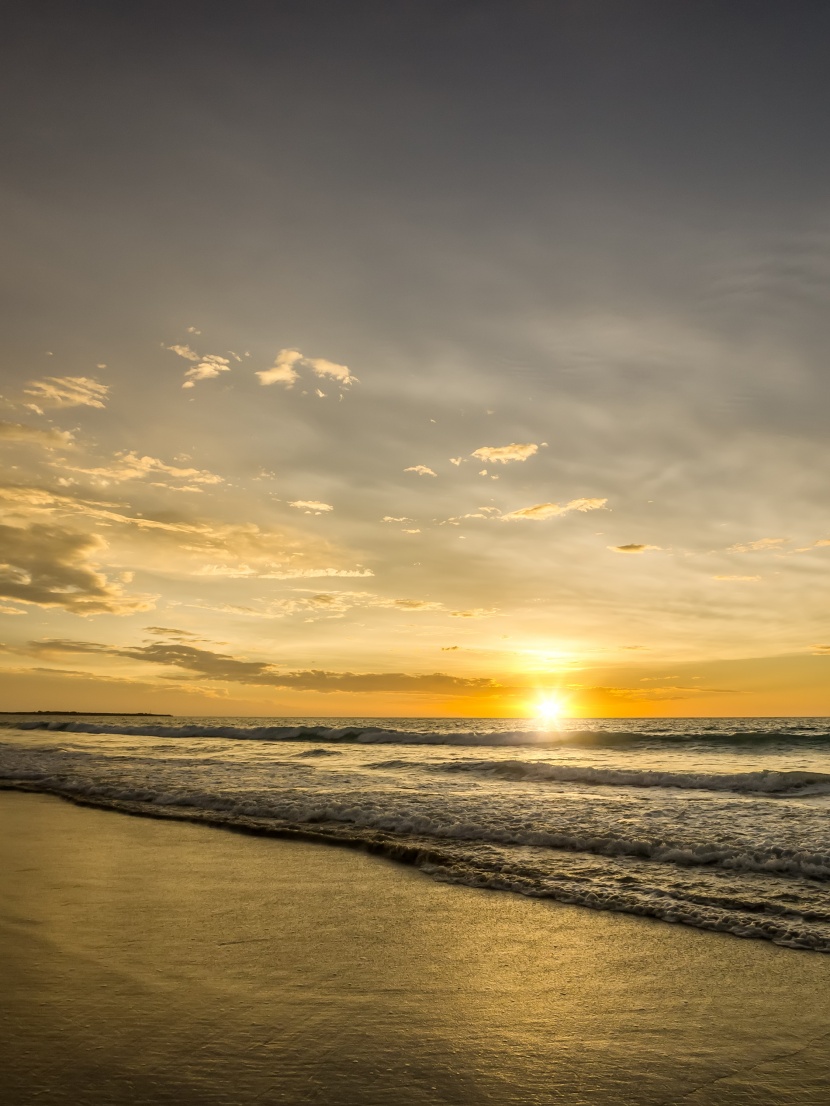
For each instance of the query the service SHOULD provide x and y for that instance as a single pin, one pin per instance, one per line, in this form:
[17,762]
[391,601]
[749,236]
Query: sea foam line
[363,734]
[436,860]
[769,860]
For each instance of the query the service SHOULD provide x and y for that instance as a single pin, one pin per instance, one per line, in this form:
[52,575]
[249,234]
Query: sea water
[721,823]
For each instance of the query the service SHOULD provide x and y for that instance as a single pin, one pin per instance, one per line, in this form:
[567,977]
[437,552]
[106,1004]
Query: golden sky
[344,377]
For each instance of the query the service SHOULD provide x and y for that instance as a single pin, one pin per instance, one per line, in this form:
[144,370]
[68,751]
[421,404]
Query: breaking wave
[789,918]
[715,732]
[765,782]
[720,824]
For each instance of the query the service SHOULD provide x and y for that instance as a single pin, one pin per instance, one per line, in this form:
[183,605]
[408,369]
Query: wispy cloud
[286,364]
[68,391]
[759,546]
[185,351]
[211,365]
[45,436]
[237,550]
[206,366]
[128,465]
[739,579]
[421,470]
[268,572]
[504,454]
[542,511]
[311,506]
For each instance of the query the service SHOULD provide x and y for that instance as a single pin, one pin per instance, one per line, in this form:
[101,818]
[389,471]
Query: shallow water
[169,963]
[722,824]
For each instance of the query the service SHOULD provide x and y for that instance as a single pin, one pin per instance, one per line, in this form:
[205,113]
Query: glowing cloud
[422,470]
[207,366]
[542,511]
[211,365]
[321,367]
[185,351]
[283,370]
[504,454]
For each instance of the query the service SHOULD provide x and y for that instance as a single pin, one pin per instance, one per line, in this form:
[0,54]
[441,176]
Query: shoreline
[426,855]
[159,961]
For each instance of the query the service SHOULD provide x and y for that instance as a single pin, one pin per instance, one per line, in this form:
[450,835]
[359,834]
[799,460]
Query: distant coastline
[94,713]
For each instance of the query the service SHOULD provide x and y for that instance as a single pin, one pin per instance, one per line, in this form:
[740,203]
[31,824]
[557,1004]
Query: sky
[414,358]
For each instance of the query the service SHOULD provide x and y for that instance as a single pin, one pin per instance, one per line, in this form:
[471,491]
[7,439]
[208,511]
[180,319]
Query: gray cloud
[49,566]
[633,547]
[227,669]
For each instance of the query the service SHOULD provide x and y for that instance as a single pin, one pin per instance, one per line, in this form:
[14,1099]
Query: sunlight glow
[549,709]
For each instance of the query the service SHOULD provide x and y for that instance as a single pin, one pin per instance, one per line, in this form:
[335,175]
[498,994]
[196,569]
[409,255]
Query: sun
[549,709]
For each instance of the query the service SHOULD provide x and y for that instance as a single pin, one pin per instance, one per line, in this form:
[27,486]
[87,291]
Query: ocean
[722,823]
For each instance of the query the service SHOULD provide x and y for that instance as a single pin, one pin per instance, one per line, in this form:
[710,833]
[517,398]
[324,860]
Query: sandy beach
[151,961]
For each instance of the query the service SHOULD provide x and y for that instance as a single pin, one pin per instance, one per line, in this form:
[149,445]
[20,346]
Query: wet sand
[159,962]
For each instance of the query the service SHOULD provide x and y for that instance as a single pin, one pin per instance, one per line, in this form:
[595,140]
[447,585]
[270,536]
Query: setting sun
[549,709]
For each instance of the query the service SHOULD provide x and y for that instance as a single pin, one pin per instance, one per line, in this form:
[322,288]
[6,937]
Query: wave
[788,925]
[765,782]
[352,815]
[816,732]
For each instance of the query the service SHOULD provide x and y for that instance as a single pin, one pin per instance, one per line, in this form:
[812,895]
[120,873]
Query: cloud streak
[45,436]
[223,668]
[541,512]
[68,391]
